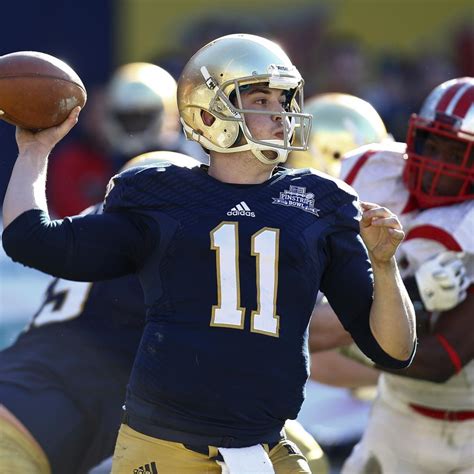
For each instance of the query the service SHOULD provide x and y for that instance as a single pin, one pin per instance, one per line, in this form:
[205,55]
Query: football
[38,90]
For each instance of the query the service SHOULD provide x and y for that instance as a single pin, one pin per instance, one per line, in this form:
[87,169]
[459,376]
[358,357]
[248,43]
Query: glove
[442,281]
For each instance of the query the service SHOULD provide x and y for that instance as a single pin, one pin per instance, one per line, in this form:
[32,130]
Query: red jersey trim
[358,165]
[437,234]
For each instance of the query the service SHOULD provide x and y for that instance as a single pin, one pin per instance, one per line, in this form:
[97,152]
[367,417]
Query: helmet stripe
[445,99]
[457,98]
[464,103]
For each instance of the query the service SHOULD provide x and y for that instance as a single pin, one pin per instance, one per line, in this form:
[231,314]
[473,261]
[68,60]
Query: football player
[423,418]
[230,259]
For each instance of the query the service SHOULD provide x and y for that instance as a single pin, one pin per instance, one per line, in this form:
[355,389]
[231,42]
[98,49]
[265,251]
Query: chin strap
[281,154]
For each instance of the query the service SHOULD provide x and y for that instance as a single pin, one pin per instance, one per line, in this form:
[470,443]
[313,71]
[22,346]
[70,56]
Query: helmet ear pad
[223,133]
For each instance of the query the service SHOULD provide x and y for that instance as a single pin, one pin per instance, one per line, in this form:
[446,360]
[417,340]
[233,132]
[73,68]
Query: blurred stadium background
[389,52]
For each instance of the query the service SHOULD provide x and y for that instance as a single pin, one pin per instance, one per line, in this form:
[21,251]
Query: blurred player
[210,386]
[136,113]
[140,113]
[341,123]
[423,418]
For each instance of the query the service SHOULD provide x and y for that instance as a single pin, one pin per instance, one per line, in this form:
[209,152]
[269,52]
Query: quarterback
[223,358]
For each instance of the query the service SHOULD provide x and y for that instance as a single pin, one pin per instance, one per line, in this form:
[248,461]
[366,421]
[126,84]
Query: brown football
[37,90]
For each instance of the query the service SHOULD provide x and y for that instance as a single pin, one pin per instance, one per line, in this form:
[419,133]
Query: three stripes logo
[241,209]
[146,469]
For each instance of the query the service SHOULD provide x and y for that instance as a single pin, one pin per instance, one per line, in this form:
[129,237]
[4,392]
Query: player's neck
[237,168]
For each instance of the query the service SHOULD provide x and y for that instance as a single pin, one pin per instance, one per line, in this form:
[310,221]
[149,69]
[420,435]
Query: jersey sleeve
[81,248]
[348,281]
[440,229]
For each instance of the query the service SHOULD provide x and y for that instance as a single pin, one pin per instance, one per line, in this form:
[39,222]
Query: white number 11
[265,247]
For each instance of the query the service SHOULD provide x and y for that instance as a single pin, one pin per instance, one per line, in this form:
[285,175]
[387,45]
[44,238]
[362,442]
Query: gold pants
[317,460]
[136,453]
[19,453]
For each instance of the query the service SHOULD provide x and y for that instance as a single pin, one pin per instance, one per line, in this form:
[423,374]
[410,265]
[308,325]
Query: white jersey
[375,173]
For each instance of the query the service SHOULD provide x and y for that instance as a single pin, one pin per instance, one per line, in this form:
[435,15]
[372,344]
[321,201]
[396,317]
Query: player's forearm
[26,189]
[333,368]
[392,317]
[423,368]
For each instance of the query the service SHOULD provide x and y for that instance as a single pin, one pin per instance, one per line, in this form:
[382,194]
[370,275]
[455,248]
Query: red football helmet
[439,168]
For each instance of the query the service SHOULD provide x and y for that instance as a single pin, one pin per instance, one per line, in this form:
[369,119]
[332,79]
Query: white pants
[400,441]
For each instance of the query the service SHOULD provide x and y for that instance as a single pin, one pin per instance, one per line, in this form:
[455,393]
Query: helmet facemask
[436,178]
[230,133]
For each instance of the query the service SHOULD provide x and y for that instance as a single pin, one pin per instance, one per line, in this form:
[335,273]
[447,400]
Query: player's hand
[43,142]
[381,232]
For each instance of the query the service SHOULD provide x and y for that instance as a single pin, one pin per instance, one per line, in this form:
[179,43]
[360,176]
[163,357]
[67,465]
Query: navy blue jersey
[230,275]
[230,290]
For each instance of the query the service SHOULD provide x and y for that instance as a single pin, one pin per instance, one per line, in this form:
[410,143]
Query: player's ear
[207,118]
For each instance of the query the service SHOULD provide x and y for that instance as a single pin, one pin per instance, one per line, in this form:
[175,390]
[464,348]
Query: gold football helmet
[140,107]
[212,81]
[341,122]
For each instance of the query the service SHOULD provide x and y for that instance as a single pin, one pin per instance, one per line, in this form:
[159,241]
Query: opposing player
[423,418]
[208,245]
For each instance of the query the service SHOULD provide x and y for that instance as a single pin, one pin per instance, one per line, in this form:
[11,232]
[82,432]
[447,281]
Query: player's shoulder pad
[387,153]
[373,148]
[325,183]
[332,196]
[137,186]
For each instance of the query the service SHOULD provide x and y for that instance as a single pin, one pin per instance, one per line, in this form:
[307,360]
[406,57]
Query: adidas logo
[146,469]
[241,210]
